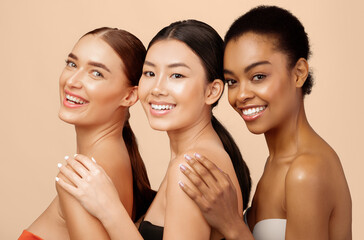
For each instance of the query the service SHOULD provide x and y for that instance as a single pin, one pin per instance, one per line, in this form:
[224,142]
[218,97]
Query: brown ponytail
[132,53]
[143,194]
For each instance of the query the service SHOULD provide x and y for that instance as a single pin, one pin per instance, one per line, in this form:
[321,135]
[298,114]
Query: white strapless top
[269,229]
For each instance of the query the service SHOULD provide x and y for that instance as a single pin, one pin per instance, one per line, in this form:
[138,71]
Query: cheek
[143,88]
[232,95]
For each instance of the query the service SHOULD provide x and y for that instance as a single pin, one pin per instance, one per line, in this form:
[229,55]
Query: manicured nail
[57,179]
[182,167]
[93,159]
[181,184]
[59,165]
[187,157]
[75,155]
[197,155]
[66,157]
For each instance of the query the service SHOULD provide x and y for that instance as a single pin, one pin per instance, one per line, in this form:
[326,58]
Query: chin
[65,117]
[256,129]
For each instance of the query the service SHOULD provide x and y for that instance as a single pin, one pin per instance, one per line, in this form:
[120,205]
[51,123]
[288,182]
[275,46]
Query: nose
[159,87]
[245,92]
[75,80]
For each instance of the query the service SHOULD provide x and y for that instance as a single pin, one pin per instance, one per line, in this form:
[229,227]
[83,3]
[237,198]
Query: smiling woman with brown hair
[97,87]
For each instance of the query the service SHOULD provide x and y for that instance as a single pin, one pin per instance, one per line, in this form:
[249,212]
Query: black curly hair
[288,32]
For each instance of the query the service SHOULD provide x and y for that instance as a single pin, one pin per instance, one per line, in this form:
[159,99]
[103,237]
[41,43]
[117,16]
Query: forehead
[93,48]
[251,47]
[169,51]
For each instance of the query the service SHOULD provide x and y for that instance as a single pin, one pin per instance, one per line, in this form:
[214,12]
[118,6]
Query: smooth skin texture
[303,177]
[172,75]
[94,73]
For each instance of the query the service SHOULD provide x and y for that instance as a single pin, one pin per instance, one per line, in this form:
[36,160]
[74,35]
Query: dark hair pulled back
[287,31]
[209,47]
[132,53]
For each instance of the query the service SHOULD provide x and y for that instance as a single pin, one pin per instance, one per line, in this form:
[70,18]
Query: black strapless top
[151,232]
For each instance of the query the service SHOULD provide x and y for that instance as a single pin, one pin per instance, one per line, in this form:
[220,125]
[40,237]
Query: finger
[202,171]
[87,162]
[196,180]
[70,175]
[78,168]
[223,180]
[215,171]
[194,195]
[66,186]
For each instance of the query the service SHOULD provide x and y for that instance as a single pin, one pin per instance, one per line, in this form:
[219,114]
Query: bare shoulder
[318,164]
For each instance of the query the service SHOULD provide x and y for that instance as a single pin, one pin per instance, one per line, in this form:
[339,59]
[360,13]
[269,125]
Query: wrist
[111,215]
[238,230]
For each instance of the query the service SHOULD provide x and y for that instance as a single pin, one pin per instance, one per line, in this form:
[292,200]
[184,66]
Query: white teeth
[253,111]
[162,107]
[74,99]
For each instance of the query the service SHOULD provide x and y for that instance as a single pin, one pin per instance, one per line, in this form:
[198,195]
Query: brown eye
[149,74]
[230,82]
[177,75]
[258,77]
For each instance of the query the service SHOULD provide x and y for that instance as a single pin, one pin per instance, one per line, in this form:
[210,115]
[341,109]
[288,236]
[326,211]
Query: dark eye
[230,82]
[70,64]
[97,74]
[258,77]
[149,74]
[177,75]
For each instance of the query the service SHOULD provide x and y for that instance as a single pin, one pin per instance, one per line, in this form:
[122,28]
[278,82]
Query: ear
[130,98]
[214,91]
[301,71]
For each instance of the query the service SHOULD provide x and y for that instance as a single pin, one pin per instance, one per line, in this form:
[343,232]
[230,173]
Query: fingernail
[66,157]
[93,159]
[197,155]
[75,155]
[181,184]
[182,167]
[57,179]
[187,157]
[59,165]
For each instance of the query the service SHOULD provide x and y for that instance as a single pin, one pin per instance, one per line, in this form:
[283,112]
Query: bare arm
[215,195]
[183,218]
[94,191]
[308,200]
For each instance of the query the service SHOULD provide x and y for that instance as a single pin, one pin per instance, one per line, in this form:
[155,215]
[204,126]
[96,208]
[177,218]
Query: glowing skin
[92,84]
[172,86]
[259,82]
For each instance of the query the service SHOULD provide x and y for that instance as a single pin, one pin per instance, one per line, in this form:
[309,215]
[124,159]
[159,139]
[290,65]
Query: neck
[182,140]
[285,139]
[89,137]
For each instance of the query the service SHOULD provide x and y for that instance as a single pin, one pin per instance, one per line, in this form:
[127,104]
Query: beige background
[37,35]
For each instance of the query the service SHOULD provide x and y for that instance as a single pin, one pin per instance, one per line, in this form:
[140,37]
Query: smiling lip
[161,108]
[252,112]
[73,101]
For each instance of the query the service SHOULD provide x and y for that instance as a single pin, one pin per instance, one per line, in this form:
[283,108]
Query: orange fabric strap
[28,236]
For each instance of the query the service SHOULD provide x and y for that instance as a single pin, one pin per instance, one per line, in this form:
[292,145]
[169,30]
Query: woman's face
[261,88]
[92,83]
[172,86]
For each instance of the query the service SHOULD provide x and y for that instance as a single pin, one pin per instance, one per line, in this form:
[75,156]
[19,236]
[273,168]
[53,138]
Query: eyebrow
[173,65]
[71,55]
[248,68]
[100,65]
[95,64]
